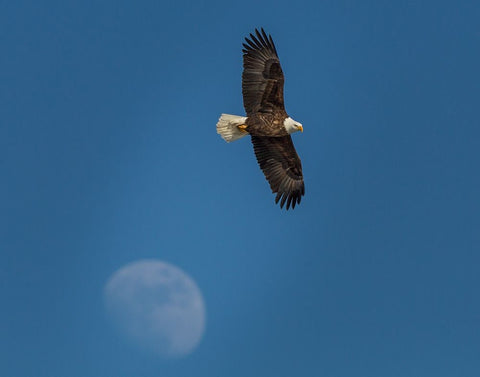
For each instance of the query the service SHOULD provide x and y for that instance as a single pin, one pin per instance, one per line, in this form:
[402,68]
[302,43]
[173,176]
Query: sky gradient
[109,155]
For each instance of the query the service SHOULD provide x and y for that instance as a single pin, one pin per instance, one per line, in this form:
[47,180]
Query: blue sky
[109,155]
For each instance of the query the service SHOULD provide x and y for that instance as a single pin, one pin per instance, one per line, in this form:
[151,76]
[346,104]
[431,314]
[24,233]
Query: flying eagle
[267,122]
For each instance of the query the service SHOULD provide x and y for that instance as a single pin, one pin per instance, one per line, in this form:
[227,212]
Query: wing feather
[262,78]
[282,168]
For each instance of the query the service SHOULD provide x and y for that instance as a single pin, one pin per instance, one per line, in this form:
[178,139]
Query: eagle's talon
[243,128]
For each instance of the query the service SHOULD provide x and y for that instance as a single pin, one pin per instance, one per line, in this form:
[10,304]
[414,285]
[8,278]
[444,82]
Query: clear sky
[108,155]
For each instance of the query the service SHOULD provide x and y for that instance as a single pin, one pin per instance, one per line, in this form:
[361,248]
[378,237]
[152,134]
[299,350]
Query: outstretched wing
[262,78]
[282,168]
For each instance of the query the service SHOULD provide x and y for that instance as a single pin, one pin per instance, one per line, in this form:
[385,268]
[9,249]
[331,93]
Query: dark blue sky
[109,155]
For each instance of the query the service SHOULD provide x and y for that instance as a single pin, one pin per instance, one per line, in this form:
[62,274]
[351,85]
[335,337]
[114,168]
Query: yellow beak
[300,128]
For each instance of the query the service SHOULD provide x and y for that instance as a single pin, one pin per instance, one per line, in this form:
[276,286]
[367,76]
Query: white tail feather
[227,127]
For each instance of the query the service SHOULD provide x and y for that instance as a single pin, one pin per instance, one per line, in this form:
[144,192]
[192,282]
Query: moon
[157,306]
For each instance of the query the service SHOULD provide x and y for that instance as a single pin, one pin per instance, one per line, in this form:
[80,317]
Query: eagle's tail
[228,129]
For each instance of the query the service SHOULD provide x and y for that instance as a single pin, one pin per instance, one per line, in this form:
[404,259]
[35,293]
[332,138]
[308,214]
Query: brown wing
[282,168]
[262,78]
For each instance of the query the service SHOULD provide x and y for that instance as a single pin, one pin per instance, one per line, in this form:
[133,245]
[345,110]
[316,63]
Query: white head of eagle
[292,125]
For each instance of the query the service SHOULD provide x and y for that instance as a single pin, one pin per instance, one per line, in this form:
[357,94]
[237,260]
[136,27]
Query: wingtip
[260,39]
[288,200]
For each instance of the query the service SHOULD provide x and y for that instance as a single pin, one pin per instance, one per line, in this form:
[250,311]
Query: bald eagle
[267,122]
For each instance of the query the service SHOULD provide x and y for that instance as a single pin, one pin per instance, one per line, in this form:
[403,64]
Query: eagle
[267,122]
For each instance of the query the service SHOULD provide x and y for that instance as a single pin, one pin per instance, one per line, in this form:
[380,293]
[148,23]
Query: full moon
[157,306]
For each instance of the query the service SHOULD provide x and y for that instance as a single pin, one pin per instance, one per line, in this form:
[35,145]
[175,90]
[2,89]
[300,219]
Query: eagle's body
[267,122]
